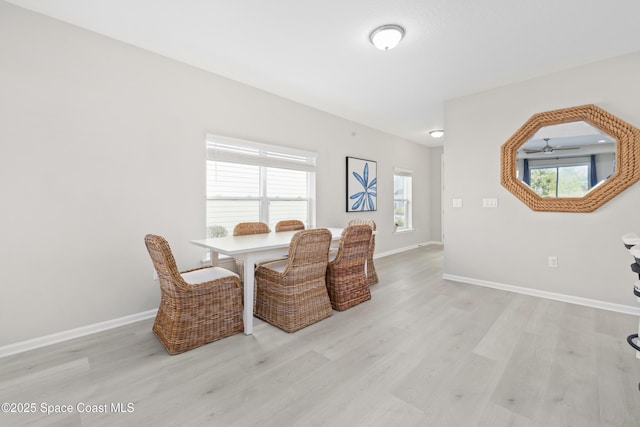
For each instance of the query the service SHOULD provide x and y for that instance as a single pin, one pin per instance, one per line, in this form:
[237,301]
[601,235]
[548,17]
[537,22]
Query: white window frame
[233,150]
[407,201]
[556,164]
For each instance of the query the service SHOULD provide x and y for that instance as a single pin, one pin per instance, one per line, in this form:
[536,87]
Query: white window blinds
[250,181]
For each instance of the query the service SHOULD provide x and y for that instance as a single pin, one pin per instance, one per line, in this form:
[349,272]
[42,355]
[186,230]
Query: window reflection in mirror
[566,160]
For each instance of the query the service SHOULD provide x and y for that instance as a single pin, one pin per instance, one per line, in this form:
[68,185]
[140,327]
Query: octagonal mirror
[571,160]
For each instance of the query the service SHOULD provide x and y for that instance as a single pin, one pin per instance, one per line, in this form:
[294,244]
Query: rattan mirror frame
[627,159]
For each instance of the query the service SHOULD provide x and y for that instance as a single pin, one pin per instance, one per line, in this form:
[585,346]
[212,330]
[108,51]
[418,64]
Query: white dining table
[251,249]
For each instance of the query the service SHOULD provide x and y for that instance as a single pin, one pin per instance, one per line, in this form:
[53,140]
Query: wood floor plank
[499,341]
[571,398]
[494,416]
[546,318]
[618,394]
[525,379]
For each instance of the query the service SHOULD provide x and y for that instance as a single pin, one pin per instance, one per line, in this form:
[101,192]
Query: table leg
[213,256]
[249,278]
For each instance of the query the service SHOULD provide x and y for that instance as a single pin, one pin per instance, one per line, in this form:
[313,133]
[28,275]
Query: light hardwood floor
[423,352]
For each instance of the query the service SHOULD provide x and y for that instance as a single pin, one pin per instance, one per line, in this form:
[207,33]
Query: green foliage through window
[560,181]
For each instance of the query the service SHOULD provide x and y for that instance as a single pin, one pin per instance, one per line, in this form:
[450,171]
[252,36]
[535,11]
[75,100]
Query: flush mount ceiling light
[436,133]
[387,37]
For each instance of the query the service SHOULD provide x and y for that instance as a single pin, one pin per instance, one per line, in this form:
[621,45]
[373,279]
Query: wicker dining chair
[196,306]
[243,229]
[289,225]
[346,279]
[291,294]
[372,276]
[284,225]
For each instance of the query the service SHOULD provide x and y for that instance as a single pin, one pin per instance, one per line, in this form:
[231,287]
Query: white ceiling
[318,52]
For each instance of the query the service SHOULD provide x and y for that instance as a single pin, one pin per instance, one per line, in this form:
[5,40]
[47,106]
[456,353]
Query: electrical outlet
[456,203]
[553,262]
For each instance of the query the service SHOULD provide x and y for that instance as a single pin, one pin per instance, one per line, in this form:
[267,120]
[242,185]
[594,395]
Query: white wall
[101,143]
[510,245]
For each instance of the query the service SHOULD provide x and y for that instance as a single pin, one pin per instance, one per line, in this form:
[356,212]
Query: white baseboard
[32,344]
[620,308]
[406,248]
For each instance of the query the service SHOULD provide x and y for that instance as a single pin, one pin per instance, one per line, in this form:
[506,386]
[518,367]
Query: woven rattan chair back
[193,314]
[308,253]
[164,263]
[244,228]
[295,296]
[372,276]
[359,221]
[346,279]
[289,225]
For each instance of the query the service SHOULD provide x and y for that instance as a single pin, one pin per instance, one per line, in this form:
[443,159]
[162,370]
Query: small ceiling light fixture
[436,133]
[387,37]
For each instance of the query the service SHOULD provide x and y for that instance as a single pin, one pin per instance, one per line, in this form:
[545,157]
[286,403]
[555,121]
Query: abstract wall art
[362,185]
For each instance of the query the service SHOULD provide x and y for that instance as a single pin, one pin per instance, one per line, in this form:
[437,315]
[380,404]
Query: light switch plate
[490,202]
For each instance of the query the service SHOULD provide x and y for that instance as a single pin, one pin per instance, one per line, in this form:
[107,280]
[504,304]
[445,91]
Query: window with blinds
[250,181]
[402,194]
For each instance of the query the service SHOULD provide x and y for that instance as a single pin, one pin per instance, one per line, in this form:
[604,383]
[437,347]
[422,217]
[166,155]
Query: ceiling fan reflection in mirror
[548,149]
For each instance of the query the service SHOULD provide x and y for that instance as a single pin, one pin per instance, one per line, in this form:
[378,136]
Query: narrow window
[402,194]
